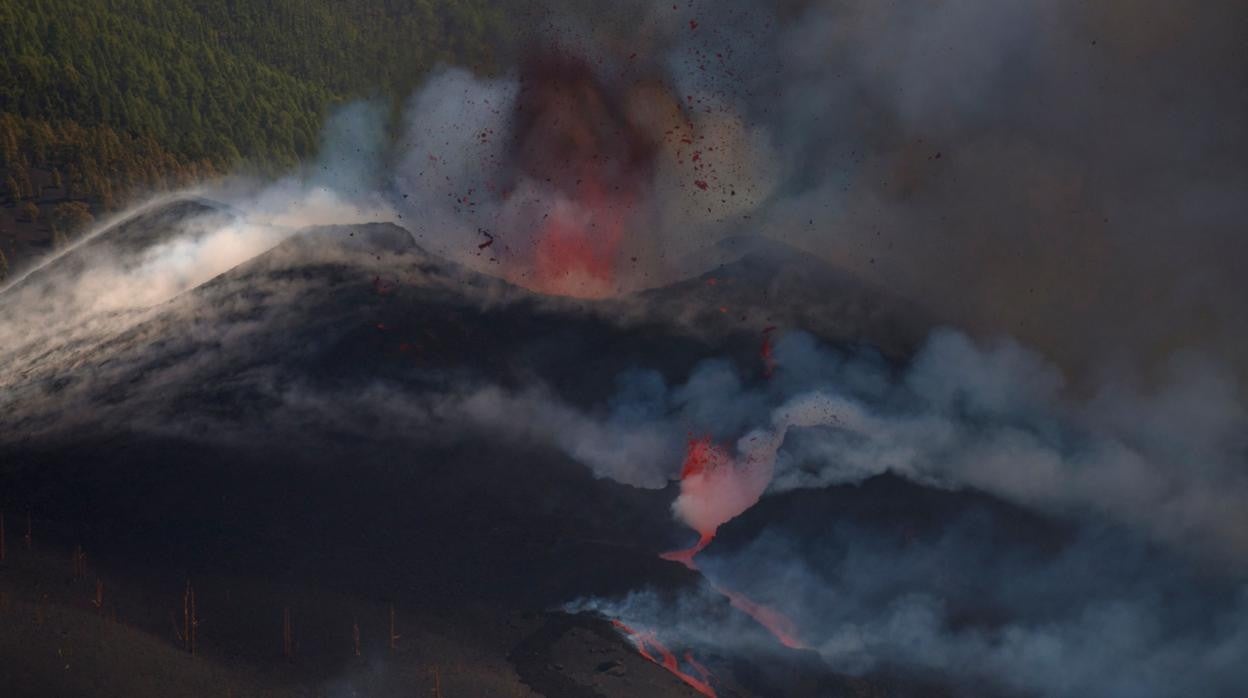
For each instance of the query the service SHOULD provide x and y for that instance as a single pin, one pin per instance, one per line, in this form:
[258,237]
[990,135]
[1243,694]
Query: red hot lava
[649,647]
[578,242]
[685,556]
[778,624]
[590,148]
[703,455]
[700,455]
[766,352]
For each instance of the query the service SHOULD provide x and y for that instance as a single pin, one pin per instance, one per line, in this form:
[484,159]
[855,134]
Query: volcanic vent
[591,146]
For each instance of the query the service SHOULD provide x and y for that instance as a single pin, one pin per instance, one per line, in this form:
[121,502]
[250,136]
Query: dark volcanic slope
[765,283]
[284,421]
[302,362]
[128,238]
[336,307]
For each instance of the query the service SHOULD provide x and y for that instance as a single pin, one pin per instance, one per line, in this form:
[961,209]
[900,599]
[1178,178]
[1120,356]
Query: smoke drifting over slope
[1068,173]
[1130,582]
[567,181]
[1050,172]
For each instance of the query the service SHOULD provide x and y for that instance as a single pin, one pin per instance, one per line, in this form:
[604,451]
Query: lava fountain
[587,150]
[715,489]
[716,486]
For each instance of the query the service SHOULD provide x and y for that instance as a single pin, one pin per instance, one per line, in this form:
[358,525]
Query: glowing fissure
[778,624]
[718,484]
[685,556]
[648,646]
[705,461]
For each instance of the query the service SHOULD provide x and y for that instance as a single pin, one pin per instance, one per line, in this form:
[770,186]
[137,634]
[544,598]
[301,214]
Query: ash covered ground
[813,349]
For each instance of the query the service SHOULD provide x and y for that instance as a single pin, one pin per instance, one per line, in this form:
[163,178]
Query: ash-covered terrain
[347,426]
[717,348]
[347,421]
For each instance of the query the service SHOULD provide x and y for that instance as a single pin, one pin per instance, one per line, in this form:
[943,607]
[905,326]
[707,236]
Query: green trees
[69,217]
[100,99]
[21,175]
[130,91]
[224,79]
[89,163]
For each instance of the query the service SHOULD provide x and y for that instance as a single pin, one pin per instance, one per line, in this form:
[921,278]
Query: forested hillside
[102,98]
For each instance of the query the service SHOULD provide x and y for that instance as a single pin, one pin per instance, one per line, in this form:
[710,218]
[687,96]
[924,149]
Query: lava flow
[705,464]
[700,456]
[648,645]
[685,556]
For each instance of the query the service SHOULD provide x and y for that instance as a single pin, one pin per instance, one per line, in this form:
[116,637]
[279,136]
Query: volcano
[255,460]
[279,437]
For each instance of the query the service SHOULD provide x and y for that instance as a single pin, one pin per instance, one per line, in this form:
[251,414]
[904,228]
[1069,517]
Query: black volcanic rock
[281,422]
[895,508]
[766,283]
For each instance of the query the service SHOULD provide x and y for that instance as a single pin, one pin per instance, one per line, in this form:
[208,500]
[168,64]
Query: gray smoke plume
[1135,588]
[1166,460]
[1066,174]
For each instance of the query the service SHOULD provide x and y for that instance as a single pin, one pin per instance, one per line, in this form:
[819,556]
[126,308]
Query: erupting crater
[584,153]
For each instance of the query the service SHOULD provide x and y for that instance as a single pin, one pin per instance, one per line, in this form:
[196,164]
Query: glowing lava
[685,557]
[587,154]
[705,460]
[649,647]
[578,243]
[767,353]
[701,455]
[778,624]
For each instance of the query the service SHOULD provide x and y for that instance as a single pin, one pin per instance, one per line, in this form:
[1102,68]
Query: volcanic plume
[588,148]
[886,495]
[715,487]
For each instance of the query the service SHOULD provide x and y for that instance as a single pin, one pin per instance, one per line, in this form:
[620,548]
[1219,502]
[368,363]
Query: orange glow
[649,647]
[590,151]
[685,557]
[700,456]
[778,624]
[578,244]
[766,353]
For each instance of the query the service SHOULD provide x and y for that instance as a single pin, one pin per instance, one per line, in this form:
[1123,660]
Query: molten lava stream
[647,645]
[776,623]
[685,557]
[704,456]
